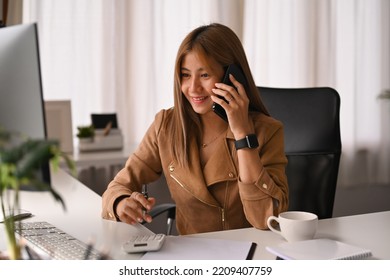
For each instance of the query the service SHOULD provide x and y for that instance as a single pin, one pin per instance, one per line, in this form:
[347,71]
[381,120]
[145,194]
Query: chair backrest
[312,144]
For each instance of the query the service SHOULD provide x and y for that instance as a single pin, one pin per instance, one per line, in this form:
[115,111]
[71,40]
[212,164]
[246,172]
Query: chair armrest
[170,208]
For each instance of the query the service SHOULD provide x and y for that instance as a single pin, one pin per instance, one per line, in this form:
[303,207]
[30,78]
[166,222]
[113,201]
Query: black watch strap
[250,141]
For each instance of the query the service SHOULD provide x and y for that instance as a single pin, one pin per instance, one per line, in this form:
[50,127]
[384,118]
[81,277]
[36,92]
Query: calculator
[144,243]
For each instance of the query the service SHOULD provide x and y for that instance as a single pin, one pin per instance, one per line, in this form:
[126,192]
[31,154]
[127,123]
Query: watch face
[252,141]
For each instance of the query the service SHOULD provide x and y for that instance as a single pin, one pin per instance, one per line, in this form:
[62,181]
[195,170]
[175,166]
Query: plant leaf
[36,152]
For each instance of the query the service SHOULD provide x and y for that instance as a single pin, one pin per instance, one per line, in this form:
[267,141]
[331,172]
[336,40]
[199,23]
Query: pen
[146,195]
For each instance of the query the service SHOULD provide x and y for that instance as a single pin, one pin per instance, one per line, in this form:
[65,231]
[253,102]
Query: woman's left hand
[236,107]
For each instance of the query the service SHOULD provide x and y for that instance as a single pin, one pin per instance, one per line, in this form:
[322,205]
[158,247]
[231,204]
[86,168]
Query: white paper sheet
[193,248]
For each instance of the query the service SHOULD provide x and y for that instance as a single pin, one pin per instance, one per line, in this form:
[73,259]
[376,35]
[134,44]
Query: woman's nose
[195,84]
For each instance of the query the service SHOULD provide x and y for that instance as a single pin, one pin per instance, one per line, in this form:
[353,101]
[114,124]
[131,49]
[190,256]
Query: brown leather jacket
[210,198]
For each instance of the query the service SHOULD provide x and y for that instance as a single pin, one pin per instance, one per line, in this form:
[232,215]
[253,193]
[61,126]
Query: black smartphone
[237,73]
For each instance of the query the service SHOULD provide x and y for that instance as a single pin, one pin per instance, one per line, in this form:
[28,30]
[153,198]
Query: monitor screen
[21,97]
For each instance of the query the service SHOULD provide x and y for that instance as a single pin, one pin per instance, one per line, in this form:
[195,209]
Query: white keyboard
[46,238]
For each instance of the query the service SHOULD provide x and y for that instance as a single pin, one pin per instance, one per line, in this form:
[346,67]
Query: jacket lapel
[220,167]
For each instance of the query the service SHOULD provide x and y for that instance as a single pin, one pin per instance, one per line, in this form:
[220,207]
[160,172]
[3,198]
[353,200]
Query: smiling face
[198,77]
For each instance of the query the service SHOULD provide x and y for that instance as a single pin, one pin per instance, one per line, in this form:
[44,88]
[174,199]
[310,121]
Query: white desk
[82,220]
[369,231]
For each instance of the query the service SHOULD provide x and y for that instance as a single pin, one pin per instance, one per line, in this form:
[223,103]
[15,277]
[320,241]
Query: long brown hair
[222,44]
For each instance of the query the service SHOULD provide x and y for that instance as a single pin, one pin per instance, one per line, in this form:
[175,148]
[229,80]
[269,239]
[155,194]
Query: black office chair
[312,144]
[170,210]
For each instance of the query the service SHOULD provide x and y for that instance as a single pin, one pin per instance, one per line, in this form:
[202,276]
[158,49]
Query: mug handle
[269,223]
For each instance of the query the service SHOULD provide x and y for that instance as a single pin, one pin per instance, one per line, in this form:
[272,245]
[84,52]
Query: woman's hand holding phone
[231,97]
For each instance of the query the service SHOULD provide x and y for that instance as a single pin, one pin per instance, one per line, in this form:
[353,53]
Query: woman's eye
[205,75]
[184,75]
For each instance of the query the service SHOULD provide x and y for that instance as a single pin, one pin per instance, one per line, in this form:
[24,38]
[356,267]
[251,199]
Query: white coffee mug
[295,225]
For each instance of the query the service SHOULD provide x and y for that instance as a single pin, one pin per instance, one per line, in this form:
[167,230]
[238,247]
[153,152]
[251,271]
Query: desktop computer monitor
[21,97]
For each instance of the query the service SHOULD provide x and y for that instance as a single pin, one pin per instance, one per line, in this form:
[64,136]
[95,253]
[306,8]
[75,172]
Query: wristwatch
[250,141]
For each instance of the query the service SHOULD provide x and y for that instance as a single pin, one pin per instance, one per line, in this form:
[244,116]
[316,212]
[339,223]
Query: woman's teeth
[199,98]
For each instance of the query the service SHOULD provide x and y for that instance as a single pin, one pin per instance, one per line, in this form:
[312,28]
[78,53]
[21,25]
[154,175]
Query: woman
[215,185]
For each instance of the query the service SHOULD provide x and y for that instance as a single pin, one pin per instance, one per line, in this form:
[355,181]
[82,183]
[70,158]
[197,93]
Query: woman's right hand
[134,209]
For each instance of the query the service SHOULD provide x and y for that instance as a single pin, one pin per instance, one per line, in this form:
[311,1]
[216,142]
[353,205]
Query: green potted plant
[19,164]
[86,133]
